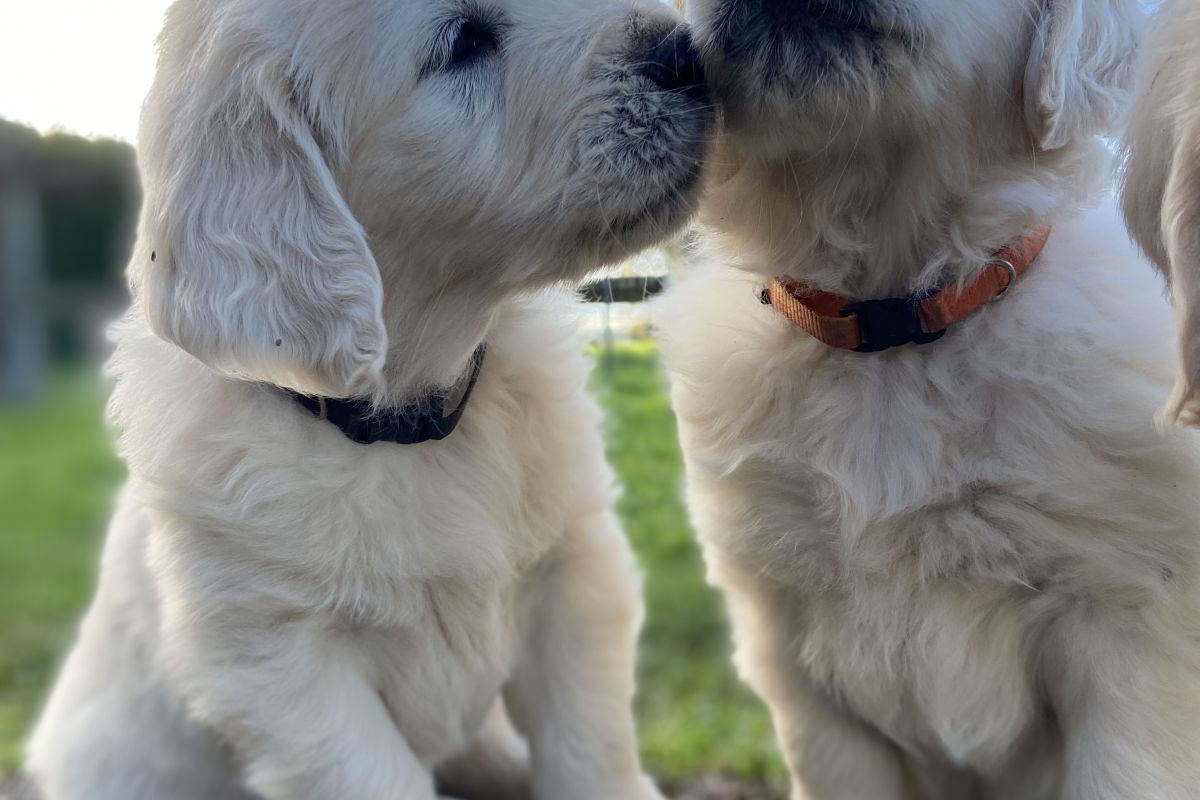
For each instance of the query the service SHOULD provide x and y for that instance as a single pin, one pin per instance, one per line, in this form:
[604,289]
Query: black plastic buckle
[888,323]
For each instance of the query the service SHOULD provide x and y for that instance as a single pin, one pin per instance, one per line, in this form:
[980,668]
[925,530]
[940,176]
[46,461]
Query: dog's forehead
[396,26]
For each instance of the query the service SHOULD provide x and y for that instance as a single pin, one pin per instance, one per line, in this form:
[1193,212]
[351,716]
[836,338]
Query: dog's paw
[652,793]
[645,789]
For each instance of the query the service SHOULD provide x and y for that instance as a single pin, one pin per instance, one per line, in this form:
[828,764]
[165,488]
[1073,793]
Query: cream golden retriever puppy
[352,200]
[964,569]
[1162,179]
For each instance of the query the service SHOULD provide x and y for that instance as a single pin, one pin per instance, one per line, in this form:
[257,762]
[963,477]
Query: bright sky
[79,65]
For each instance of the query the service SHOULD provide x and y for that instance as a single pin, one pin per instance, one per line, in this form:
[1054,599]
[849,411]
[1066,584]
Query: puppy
[1162,180]
[304,594]
[965,568]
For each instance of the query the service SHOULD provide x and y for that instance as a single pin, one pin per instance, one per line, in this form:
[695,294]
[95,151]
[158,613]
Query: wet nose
[674,64]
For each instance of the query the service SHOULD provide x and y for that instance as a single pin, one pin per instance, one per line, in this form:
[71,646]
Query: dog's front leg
[494,767]
[1128,699]
[830,755]
[572,694]
[293,702]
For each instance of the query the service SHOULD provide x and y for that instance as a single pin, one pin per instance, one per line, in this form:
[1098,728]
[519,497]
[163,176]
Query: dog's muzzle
[674,65]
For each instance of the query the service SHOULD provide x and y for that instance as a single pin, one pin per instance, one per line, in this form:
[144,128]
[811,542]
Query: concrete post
[23,335]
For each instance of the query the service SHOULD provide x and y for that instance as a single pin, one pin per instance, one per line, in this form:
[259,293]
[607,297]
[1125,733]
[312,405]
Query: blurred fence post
[23,345]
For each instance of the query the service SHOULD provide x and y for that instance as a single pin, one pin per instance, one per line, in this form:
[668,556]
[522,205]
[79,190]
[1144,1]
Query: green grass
[58,478]
[695,717]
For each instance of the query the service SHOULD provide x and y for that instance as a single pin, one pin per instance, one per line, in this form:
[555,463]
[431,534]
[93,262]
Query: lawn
[58,477]
[695,717]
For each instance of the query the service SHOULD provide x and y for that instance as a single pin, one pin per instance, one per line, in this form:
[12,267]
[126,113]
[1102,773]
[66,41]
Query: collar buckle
[891,322]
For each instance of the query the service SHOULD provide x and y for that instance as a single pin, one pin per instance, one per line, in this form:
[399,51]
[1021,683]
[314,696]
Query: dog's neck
[432,337]
[885,221]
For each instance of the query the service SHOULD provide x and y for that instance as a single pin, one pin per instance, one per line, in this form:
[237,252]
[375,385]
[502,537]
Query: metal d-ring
[1012,276]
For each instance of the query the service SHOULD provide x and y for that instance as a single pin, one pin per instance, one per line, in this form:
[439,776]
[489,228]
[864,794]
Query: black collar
[422,421]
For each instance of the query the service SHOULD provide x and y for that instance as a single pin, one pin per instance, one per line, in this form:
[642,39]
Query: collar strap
[869,326]
[422,421]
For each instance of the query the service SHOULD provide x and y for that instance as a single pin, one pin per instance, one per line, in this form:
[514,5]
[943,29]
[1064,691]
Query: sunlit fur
[1162,180]
[283,613]
[964,571]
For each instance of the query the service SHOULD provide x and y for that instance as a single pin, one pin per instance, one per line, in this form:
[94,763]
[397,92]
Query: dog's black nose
[674,64]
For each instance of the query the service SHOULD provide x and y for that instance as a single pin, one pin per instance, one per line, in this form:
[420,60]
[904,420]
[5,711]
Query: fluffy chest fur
[923,520]
[422,560]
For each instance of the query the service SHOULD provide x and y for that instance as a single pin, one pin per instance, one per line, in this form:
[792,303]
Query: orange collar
[869,326]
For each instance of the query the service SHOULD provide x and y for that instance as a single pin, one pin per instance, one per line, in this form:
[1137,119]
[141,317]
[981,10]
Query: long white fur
[283,613]
[966,571]
[1162,179]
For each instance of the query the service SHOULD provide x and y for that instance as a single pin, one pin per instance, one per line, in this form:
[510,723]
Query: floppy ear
[1080,69]
[248,257]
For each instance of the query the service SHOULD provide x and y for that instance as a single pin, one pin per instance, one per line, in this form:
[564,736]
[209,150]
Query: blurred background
[72,77]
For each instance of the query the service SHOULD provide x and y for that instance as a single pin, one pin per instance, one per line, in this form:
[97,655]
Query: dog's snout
[674,64]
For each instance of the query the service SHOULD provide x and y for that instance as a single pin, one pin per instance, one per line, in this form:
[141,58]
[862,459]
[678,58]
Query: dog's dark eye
[472,41]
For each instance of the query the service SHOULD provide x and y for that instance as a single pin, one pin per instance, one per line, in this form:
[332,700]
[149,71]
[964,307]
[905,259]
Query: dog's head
[312,168]
[786,67]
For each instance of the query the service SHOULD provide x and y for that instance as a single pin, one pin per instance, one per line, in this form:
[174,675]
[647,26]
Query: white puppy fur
[347,198]
[1162,180]
[967,570]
